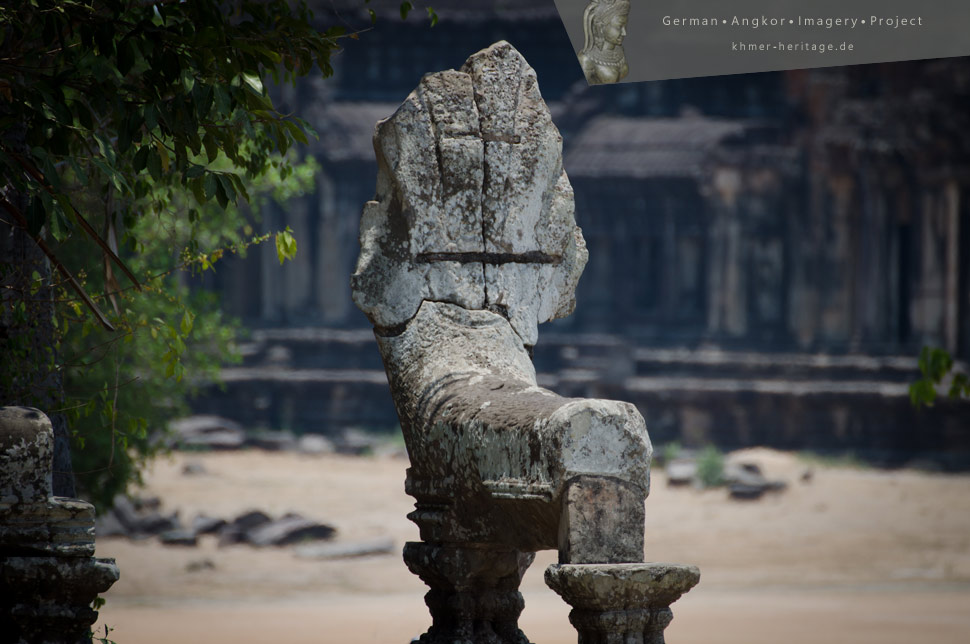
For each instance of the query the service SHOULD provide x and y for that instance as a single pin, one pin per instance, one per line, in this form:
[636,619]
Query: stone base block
[621,603]
[47,600]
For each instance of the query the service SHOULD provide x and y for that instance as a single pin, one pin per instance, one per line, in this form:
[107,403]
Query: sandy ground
[853,556]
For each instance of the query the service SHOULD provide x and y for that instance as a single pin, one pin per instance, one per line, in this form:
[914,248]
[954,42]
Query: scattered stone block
[272,441]
[125,513]
[746,481]
[156,523]
[179,538]
[315,444]
[146,504]
[681,471]
[289,530]
[346,550]
[237,531]
[199,565]
[207,432]
[108,525]
[354,442]
[194,468]
[203,524]
[250,519]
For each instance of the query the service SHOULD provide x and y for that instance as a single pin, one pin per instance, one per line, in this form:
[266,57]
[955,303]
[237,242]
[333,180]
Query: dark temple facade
[768,252]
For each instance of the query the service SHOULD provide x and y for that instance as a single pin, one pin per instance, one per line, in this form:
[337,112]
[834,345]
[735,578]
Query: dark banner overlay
[686,38]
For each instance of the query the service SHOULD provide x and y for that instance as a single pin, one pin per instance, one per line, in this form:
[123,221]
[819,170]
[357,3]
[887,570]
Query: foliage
[831,459]
[97,637]
[144,97]
[710,467]
[138,126]
[669,452]
[936,365]
[123,386]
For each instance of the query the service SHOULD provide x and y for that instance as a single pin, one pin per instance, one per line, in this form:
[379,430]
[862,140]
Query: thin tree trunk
[27,339]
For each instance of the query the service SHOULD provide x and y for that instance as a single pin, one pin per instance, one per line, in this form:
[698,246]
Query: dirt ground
[853,555]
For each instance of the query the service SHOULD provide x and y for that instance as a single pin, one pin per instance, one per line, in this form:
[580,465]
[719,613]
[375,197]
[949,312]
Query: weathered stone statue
[604,27]
[470,243]
[48,574]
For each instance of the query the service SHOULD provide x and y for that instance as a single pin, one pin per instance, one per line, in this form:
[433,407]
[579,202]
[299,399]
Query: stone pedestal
[48,574]
[621,603]
[474,594]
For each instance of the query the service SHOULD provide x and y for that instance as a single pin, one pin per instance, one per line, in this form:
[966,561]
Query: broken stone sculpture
[604,28]
[469,244]
[48,573]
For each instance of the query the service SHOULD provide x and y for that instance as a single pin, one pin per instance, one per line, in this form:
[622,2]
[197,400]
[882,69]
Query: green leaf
[960,386]
[126,57]
[405,10]
[223,101]
[154,163]
[141,158]
[227,188]
[211,147]
[296,132]
[188,318]
[79,174]
[285,245]
[196,185]
[922,392]
[221,197]
[433,16]
[36,216]
[211,185]
[151,117]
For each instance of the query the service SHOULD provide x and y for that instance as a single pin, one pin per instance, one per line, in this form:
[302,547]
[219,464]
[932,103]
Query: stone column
[474,594]
[621,603]
[48,574]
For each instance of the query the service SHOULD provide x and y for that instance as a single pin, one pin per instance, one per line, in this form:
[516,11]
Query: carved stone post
[48,574]
[474,594]
[621,603]
[469,244]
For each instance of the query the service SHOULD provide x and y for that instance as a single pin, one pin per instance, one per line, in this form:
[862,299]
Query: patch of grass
[833,459]
[710,467]
[667,452]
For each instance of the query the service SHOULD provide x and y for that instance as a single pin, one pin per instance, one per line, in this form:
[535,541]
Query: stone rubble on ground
[681,471]
[743,479]
[204,524]
[253,527]
[346,549]
[215,433]
[746,481]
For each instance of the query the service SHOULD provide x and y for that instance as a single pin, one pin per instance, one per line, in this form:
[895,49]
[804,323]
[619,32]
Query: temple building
[768,252]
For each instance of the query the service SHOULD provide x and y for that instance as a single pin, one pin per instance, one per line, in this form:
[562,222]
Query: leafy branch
[936,366]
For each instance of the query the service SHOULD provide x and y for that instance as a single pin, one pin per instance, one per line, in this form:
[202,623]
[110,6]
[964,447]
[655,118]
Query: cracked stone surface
[479,430]
[26,453]
[472,205]
[470,243]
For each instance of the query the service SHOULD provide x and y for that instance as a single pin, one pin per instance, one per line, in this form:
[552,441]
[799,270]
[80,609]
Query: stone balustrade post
[49,576]
[468,245]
